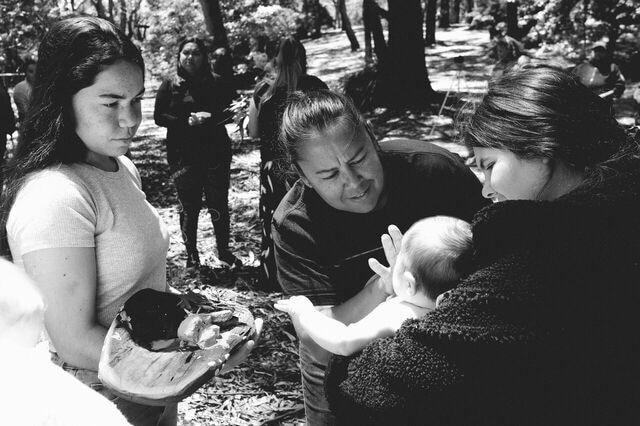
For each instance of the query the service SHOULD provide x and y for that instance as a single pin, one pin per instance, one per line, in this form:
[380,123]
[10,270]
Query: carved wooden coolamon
[132,370]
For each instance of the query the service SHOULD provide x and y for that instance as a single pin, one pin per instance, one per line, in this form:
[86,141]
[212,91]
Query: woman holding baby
[544,330]
[192,108]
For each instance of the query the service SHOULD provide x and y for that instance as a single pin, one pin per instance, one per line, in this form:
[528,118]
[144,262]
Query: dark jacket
[7,120]
[545,332]
[204,145]
[7,117]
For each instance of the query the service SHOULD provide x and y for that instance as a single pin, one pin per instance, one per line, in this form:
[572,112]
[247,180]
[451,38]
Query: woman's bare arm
[67,279]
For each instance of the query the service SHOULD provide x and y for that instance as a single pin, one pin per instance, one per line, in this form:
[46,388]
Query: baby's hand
[391,244]
[294,306]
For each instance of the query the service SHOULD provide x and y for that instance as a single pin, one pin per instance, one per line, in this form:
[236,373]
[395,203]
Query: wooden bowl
[134,371]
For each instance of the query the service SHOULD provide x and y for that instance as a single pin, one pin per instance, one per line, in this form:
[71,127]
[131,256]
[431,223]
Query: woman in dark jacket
[265,116]
[545,331]
[191,107]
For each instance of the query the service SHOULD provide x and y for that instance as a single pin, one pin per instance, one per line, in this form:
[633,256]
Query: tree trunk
[336,20]
[430,12]
[100,10]
[213,21]
[512,19]
[123,16]
[403,80]
[367,20]
[346,26]
[371,15]
[455,11]
[444,14]
[470,5]
[613,34]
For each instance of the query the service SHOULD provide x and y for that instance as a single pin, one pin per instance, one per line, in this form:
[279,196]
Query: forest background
[396,58]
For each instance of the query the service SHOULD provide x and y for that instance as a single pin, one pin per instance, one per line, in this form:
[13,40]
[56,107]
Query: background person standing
[22,90]
[600,74]
[192,108]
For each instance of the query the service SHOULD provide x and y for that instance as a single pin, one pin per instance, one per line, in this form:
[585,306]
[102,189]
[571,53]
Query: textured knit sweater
[544,332]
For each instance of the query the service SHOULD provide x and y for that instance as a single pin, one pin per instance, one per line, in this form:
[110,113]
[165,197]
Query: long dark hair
[291,64]
[205,68]
[70,56]
[539,111]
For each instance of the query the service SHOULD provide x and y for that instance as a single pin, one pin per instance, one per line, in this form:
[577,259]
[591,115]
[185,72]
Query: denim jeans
[136,414]
[313,363]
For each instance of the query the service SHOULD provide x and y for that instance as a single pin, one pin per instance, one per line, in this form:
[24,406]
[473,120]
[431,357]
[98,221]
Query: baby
[434,256]
[34,391]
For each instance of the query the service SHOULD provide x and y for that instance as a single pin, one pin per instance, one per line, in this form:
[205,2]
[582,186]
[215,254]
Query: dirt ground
[265,390]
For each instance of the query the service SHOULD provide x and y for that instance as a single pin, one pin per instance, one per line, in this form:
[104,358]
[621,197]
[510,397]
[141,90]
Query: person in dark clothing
[527,338]
[265,111]
[7,126]
[601,74]
[192,108]
[350,190]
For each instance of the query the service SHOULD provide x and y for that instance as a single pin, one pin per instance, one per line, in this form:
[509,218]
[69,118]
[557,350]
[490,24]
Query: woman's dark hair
[309,113]
[205,69]
[291,64]
[70,56]
[539,111]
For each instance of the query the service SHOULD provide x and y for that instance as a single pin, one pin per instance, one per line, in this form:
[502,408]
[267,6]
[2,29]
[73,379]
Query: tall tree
[444,14]
[430,12]
[213,21]
[403,80]
[371,14]
[512,19]
[100,9]
[346,26]
[470,5]
[455,11]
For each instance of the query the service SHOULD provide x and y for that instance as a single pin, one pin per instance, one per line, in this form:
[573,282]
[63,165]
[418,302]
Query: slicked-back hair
[70,56]
[310,113]
[439,252]
[539,111]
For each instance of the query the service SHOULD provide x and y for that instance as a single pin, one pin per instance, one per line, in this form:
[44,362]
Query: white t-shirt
[79,205]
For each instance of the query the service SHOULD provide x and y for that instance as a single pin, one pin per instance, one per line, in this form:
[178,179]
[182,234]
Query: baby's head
[21,308]
[435,254]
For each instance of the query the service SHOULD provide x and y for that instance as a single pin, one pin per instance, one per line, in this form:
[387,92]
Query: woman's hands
[197,118]
[243,352]
[391,243]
